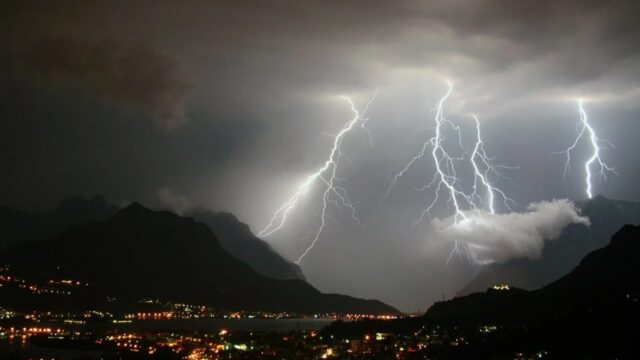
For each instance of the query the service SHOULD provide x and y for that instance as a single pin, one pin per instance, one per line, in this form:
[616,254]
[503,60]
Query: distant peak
[133,209]
[135,206]
[200,211]
[596,201]
[134,212]
[626,235]
[227,216]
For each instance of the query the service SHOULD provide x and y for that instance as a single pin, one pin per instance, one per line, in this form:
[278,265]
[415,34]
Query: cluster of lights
[149,315]
[52,287]
[186,346]
[24,333]
[67,282]
[501,287]
[305,343]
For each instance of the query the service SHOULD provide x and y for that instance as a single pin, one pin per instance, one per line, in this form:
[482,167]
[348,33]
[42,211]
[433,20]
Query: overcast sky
[230,104]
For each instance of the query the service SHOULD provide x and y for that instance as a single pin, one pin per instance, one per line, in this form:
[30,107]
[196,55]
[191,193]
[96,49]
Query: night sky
[229,105]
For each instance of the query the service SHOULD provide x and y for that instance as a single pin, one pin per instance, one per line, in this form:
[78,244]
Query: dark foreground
[410,338]
[591,313]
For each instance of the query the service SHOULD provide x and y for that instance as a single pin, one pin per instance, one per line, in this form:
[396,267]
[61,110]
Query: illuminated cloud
[500,237]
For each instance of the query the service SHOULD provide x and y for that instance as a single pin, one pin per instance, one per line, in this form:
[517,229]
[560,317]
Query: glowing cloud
[488,237]
[446,180]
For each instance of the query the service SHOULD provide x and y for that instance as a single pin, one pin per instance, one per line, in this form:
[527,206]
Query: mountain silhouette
[237,239]
[561,255]
[234,236]
[590,313]
[140,253]
[605,285]
[19,226]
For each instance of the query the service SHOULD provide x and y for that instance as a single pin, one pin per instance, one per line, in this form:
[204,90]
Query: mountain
[238,240]
[139,253]
[591,313]
[234,236]
[563,254]
[605,285]
[18,226]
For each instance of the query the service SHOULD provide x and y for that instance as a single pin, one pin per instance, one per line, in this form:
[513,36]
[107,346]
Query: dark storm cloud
[113,71]
[268,51]
[264,79]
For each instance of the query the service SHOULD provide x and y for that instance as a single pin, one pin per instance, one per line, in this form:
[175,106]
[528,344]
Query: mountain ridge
[18,226]
[605,284]
[561,255]
[236,237]
[141,253]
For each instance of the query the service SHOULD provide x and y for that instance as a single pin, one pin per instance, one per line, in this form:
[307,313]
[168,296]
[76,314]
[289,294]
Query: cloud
[500,237]
[167,199]
[114,71]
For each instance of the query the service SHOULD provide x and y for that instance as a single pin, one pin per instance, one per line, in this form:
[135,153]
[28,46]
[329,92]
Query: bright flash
[445,178]
[327,176]
[587,130]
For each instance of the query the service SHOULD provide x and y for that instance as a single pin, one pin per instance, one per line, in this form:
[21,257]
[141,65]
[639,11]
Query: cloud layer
[114,71]
[500,237]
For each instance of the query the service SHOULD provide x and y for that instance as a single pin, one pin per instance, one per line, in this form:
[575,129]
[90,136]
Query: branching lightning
[445,175]
[365,120]
[333,194]
[445,178]
[586,130]
[436,143]
[479,155]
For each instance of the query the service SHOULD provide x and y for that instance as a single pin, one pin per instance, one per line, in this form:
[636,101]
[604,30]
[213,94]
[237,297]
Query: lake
[212,325]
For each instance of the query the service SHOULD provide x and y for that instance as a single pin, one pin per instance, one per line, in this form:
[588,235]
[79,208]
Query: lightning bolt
[480,156]
[446,180]
[333,194]
[594,141]
[445,175]
[365,120]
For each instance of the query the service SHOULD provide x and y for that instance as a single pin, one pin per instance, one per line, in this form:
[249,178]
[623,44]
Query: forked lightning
[327,176]
[445,178]
[587,130]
